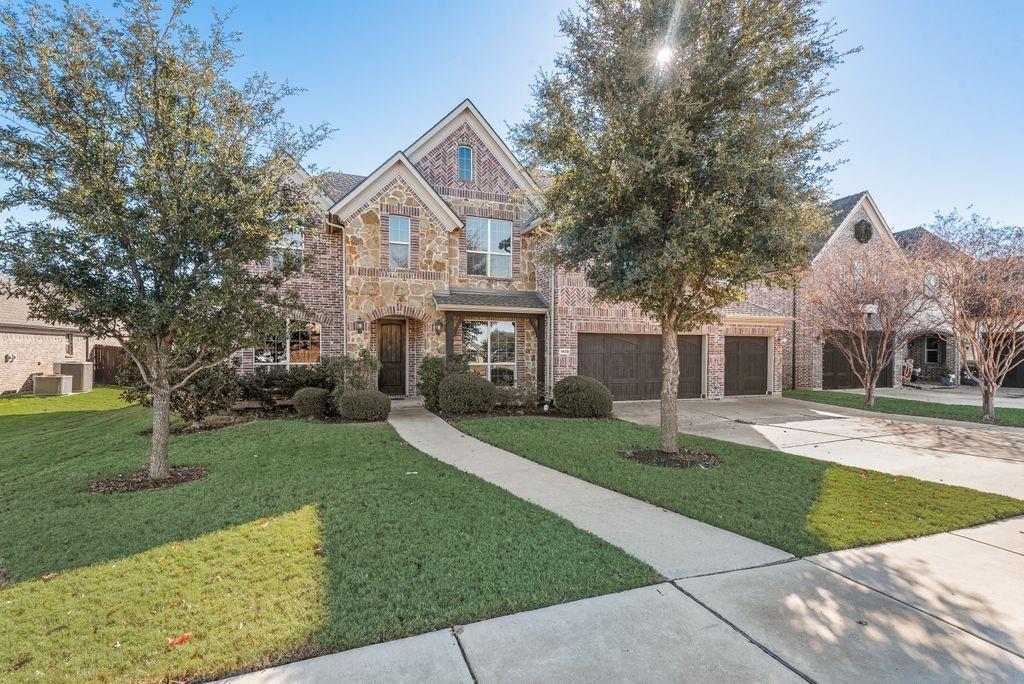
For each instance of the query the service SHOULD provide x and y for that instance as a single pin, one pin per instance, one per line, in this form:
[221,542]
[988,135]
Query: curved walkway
[674,545]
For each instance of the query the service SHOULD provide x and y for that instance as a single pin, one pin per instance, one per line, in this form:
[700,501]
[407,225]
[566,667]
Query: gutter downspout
[792,371]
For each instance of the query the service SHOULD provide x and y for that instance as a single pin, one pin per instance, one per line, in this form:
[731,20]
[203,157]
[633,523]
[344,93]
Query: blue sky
[931,109]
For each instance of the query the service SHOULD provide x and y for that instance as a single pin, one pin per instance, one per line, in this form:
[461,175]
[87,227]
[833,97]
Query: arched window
[465,163]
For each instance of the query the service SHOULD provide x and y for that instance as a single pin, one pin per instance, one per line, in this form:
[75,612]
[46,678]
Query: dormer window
[465,163]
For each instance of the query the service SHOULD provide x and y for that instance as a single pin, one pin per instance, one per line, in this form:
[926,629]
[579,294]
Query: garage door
[746,365]
[1015,378]
[630,365]
[836,372]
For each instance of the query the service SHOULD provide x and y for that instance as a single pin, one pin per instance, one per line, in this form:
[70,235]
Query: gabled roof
[467,112]
[920,241]
[397,165]
[843,210]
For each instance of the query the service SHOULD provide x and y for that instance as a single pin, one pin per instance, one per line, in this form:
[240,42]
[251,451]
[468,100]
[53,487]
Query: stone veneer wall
[577,311]
[438,257]
[36,353]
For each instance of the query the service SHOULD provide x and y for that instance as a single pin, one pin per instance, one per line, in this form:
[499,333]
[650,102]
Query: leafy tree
[684,141]
[159,182]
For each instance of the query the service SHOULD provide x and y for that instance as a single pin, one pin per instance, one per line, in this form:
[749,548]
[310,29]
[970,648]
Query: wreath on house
[862,230]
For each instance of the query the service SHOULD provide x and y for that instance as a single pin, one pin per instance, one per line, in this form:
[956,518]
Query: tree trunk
[869,394]
[669,387]
[159,465]
[988,403]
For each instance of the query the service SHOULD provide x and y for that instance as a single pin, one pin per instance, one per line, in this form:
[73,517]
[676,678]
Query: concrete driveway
[1006,397]
[989,459]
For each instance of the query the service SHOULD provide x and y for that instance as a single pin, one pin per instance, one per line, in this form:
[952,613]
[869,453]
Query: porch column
[449,333]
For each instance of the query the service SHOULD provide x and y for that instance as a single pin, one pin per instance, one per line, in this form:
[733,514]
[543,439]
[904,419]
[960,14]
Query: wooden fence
[106,364]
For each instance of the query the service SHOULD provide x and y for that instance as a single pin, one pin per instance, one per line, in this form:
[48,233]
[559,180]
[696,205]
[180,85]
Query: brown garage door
[836,372]
[746,365]
[630,365]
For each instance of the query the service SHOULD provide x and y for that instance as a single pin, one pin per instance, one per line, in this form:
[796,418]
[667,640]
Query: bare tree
[975,278]
[867,306]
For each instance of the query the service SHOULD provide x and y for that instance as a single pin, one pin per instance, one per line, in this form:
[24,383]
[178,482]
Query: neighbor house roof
[14,316]
[502,301]
[917,241]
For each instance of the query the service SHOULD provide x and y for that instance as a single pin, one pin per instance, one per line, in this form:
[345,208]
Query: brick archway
[400,310]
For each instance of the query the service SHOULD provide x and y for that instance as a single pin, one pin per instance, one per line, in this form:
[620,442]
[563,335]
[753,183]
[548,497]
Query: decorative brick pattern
[440,166]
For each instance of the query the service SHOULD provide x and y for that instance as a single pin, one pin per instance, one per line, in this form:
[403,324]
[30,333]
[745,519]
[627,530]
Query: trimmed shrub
[364,404]
[210,391]
[435,369]
[312,401]
[467,393]
[519,397]
[583,397]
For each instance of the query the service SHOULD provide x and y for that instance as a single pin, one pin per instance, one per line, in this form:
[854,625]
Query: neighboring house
[933,350]
[29,346]
[436,252]
[809,363]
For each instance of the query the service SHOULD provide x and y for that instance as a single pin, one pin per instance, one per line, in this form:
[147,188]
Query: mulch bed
[684,459]
[139,481]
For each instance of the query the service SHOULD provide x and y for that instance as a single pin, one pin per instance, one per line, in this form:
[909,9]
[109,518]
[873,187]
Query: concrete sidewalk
[942,608]
[674,545]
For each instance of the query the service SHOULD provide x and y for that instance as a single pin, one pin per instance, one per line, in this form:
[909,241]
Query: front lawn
[798,504]
[408,545]
[909,407]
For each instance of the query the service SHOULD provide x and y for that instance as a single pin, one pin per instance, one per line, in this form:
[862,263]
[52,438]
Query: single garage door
[630,365]
[746,365]
[1015,378]
[837,373]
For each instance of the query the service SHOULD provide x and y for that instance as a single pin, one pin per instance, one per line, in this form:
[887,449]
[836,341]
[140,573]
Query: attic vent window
[862,230]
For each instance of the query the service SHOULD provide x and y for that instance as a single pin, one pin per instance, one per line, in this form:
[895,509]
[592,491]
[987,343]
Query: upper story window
[488,247]
[290,249]
[299,346]
[465,163]
[398,241]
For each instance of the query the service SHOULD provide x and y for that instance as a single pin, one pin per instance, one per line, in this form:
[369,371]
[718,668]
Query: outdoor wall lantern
[438,327]
[360,325]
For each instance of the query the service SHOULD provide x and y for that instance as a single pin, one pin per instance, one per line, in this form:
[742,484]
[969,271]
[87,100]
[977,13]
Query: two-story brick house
[436,251]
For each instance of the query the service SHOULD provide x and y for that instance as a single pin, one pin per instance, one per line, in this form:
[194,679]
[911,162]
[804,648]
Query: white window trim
[286,245]
[487,251]
[287,362]
[407,243]
[488,364]
[458,164]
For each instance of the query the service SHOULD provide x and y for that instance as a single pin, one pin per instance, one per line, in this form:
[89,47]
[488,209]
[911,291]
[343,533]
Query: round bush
[466,393]
[583,397]
[312,401]
[364,405]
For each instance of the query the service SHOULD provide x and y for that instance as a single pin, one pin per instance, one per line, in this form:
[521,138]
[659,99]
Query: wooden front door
[391,352]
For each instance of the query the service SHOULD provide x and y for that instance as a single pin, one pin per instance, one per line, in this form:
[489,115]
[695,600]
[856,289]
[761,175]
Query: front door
[391,352]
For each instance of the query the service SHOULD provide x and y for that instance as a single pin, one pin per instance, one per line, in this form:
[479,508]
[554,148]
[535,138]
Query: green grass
[410,545]
[798,504]
[909,407]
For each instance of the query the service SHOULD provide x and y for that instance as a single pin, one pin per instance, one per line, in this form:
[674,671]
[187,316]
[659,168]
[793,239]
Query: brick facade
[351,285]
[24,354]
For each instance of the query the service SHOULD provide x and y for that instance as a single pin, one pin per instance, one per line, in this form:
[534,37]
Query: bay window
[299,346]
[490,347]
[488,247]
